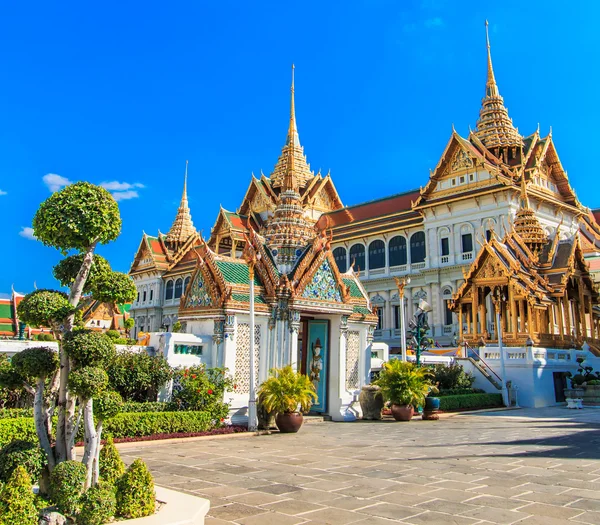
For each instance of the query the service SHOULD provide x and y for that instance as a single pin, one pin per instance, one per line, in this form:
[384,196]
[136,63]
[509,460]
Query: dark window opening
[467,242]
[397,251]
[357,256]
[445,246]
[417,248]
[339,254]
[169,291]
[376,255]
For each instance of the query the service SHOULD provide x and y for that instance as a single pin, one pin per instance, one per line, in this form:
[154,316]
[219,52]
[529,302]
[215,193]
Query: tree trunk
[41,422]
[91,438]
[65,437]
[96,464]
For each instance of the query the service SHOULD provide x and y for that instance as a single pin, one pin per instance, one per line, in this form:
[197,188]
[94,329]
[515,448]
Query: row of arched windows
[397,253]
[174,290]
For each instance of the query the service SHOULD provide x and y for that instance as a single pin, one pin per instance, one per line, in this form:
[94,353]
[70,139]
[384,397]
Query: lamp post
[401,283]
[252,414]
[421,326]
[497,300]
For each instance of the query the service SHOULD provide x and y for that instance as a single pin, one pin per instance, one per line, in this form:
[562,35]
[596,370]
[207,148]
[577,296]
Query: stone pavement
[524,466]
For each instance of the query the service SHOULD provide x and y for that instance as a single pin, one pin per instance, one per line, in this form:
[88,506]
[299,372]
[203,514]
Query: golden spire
[183,227]
[527,224]
[494,127]
[293,137]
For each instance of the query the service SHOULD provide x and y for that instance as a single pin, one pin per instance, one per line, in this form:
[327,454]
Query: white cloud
[125,195]
[120,186]
[434,22]
[55,182]
[27,233]
[3,193]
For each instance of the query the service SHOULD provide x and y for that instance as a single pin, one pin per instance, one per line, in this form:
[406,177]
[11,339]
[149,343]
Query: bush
[12,393]
[202,389]
[24,453]
[98,505]
[135,492]
[111,465]
[470,401]
[17,428]
[66,486]
[88,348]
[149,423]
[6,413]
[17,500]
[134,406]
[137,376]
[460,392]
[452,376]
[45,337]
[87,382]
[113,334]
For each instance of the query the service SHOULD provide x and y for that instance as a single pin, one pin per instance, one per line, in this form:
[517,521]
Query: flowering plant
[202,389]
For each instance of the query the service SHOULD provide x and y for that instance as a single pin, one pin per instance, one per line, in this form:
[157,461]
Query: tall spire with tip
[183,227]
[494,127]
[293,137]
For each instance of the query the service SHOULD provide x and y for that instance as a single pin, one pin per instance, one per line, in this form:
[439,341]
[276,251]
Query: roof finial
[184,197]
[491,87]
[183,226]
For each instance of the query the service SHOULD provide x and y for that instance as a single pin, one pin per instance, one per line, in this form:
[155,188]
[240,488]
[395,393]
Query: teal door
[317,360]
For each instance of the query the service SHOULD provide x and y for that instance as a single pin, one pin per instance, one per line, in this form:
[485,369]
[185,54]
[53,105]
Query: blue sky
[125,92]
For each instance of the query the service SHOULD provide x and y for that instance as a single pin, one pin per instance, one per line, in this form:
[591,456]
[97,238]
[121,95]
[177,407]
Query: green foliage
[287,390]
[403,383]
[89,348]
[116,287]
[202,389]
[150,423]
[36,362]
[45,337]
[66,271]
[66,486]
[88,382]
[149,406]
[12,393]
[110,462]
[137,376]
[107,405]
[470,401]
[113,334]
[135,492]
[98,505]
[17,500]
[593,382]
[176,326]
[44,308]
[17,428]
[24,453]
[6,413]
[452,376]
[76,217]
[460,391]
[129,323]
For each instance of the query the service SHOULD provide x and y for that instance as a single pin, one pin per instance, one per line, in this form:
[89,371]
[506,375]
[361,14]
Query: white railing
[445,259]
[467,256]
[377,271]
[399,269]
[417,266]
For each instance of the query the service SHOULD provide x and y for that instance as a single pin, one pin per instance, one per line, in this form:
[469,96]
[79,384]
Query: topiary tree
[135,492]
[17,500]
[113,334]
[106,406]
[129,324]
[78,218]
[21,453]
[66,486]
[176,327]
[98,505]
[111,464]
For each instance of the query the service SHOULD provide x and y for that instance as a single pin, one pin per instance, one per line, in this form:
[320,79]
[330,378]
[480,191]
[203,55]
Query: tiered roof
[183,227]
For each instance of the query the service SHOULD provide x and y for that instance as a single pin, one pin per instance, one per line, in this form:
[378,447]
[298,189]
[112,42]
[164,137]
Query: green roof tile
[245,298]
[354,289]
[361,310]
[236,273]
[6,327]
[6,311]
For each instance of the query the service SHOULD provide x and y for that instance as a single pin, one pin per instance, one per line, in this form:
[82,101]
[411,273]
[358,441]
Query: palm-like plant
[403,383]
[287,390]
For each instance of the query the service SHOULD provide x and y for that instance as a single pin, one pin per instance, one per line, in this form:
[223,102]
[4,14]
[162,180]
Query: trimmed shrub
[17,428]
[135,492]
[6,413]
[459,392]
[45,337]
[88,381]
[24,453]
[470,401]
[138,376]
[134,406]
[17,500]
[88,348]
[98,505]
[113,334]
[451,376]
[66,486]
[148,423]
[110,463]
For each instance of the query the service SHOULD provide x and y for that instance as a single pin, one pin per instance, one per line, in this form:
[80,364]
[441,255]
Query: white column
[294,327]
[342,355]
[252,416]
[403,328]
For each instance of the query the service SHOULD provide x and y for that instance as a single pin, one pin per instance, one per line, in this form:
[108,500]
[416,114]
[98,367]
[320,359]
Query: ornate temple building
[308,313]
[474,198]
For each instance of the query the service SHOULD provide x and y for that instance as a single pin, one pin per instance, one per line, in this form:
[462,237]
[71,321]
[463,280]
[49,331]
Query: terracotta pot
[289,422]
[402,412]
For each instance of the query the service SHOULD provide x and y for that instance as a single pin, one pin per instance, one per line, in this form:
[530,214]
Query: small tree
[78,218]
[176,327]
[128,324]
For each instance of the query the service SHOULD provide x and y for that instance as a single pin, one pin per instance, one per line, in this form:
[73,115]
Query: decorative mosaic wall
[198,295]
[352,351]
[323,285]
[242,354]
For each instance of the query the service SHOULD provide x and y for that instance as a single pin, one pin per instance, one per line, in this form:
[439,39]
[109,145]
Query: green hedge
[459,392]
[129,406]
[470,401]
[123,425]
[15,412]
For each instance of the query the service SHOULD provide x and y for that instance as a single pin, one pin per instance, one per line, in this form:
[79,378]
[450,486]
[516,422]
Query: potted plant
[405,385]
[289,394]
[432,404]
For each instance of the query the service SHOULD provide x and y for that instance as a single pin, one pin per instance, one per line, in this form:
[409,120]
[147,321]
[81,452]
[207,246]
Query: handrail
[485,364]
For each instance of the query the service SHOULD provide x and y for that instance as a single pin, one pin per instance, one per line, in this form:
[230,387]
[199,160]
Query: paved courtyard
[524,466]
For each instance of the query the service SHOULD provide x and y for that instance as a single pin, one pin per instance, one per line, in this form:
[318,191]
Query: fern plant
[287,391]
[403,383]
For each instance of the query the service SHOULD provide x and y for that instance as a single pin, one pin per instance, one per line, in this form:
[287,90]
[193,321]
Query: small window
[467,242]
[169,291]
[462,179]
[471,177]
[448,313]
[379,318]
[138,298]
[445,246]
[144,296]
[453,182]
[339,254]
[397,317]
[178,288]
[151,294]
[488,235]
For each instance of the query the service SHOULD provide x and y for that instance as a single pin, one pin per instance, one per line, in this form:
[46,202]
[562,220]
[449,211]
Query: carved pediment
[461,160]
[323,285]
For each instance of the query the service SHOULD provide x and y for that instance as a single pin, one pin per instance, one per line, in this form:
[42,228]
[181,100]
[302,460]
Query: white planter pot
[178,509]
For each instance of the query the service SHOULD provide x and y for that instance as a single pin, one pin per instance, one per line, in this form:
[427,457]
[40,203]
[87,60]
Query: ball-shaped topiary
[66,486]
[116,287]
[107,405]
[112,334]
[135,492]
[76,217]
[17,500]
[88,348]
[39,361]
[24,453]
[88,382]
[44,308]
[66,271]
[111,465]
[98,505]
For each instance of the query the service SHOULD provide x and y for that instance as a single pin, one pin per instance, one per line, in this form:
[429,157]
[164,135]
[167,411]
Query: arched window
[178,288]
[339,254]
[185,284]
[417,247]
[169,291]
[376,255]
[397,251]
[357,255]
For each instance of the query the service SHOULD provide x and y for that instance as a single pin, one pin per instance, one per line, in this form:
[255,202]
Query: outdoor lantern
[424,306]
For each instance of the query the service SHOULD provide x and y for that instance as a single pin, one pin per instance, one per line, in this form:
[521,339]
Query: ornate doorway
[317,360]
